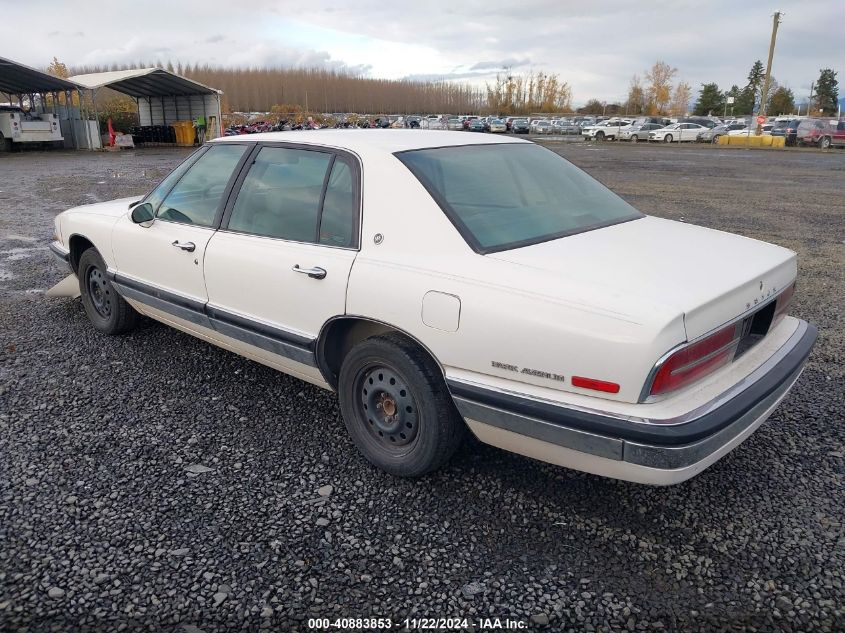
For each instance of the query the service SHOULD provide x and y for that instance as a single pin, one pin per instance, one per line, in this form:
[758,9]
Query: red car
[821,132]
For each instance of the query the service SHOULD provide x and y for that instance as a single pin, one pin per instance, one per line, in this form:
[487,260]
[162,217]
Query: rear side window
[508,195]
[281,194]
[196,197]
[339,215]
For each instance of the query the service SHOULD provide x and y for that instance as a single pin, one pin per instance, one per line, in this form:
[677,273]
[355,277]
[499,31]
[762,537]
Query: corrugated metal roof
[15,78]
[144,82]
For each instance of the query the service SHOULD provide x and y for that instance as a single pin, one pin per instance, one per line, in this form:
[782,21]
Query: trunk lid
[710,276]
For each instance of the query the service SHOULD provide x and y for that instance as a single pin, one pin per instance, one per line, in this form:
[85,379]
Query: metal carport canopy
[144,82]
[15,78]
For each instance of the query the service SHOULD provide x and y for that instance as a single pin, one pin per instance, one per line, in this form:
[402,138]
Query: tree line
[749,98]
[656,92]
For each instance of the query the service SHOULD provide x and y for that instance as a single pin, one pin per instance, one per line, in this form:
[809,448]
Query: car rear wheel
[667,138]
[107,310]
[824,143]
[396,406]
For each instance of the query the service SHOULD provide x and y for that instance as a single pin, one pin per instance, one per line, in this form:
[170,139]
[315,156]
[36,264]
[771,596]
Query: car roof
[364,141]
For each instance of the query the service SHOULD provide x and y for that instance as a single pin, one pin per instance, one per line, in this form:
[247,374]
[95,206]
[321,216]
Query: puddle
[14,254]
[14,237]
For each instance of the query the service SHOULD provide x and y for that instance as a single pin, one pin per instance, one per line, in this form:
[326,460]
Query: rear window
[535,196]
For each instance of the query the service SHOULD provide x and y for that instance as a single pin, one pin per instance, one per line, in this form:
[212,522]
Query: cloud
[501,65]
[595,47]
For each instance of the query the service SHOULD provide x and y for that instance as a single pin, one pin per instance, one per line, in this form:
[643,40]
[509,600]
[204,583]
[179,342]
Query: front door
[160,263]
[277,270]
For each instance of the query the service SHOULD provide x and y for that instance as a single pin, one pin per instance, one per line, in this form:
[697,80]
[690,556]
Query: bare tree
[659,91]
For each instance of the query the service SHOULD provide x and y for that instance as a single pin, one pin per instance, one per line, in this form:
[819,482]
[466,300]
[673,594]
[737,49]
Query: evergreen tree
[710,100]
[782,102]
[827,91]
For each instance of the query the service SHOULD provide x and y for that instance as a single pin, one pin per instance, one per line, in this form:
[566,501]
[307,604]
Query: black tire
[667,138]
[634,138]
[397,408]
[715,139]
[824,143]
[106,309]
[600,136]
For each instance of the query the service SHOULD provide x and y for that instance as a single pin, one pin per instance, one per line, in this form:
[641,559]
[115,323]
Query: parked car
[751,130]
[703,121]
[543,127]
[606,130]
[497,126]
[670,346]
[787,128]
[711,135]
[535,122]
[638,132]
[477,125]
[822,133]
[455,124]
[565,126]
[676,132]
[519,126]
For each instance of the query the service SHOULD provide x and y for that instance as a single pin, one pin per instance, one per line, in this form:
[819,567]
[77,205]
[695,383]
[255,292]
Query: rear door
[278,268]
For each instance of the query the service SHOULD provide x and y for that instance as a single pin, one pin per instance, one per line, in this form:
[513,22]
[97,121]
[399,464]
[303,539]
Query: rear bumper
[661,453]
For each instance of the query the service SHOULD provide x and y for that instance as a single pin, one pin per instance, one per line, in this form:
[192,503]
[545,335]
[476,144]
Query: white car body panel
[266,296]
[605,303]
[154,260]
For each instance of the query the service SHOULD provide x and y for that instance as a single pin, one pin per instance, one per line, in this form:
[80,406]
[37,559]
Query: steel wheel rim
[387,408]
[99,292]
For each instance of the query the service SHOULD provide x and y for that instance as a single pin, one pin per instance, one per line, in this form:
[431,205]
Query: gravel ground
[152,482]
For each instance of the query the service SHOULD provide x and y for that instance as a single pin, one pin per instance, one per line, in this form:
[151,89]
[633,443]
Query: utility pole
[810,102]
[768,77]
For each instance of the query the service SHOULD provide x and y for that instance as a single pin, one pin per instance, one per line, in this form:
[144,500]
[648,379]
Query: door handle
[314,273]
[187,246]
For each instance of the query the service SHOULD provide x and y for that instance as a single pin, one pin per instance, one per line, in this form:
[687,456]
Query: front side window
[196,197]
[282,194]
[535,196]
[157,195]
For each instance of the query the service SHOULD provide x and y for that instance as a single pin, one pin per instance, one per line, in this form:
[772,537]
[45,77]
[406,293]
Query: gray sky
[595,46]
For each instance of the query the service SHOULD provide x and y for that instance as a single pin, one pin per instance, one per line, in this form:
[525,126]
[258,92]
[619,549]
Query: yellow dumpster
[184,133]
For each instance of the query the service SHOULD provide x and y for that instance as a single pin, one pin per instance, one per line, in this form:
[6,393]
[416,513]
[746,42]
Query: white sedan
[537,308]
[751,130]
[677,132]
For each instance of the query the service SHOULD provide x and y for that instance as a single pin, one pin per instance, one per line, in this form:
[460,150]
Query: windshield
[535,197]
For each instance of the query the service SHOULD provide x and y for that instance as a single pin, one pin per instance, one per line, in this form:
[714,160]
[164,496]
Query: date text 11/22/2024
[419,624]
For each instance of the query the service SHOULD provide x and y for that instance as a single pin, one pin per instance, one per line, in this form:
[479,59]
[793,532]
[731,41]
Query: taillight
[697,360]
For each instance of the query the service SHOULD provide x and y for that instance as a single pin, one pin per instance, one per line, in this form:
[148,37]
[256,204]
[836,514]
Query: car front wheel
[825,142]
[106,309]
[667,138]
[634,138]
[397,408]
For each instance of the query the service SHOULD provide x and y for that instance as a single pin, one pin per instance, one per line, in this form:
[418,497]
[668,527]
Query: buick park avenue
[441,282]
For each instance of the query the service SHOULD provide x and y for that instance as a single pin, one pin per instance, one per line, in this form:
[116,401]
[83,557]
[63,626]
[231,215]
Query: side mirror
[143,213]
